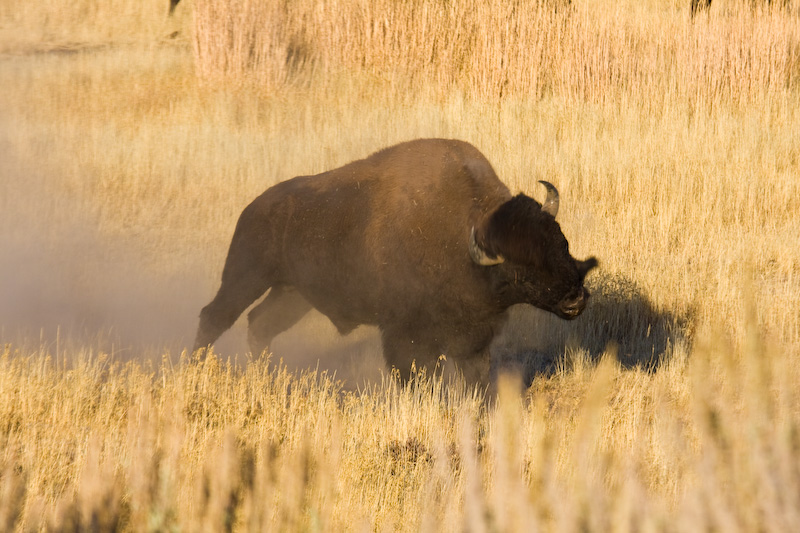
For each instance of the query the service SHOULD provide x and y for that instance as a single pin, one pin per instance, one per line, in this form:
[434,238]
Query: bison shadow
[620,317]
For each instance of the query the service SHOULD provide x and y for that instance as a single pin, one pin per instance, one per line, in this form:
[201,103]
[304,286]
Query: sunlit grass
[123,167]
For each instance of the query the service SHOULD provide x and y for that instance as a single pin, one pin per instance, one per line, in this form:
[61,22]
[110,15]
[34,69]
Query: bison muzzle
[421,240]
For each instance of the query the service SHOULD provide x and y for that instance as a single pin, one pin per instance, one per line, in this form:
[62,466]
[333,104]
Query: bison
[420,239]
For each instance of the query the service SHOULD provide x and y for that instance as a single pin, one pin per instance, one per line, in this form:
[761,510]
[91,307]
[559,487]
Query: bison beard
[421,240]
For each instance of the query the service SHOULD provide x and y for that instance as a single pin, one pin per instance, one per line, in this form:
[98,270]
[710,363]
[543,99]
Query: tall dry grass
[67,27]
[667,406]
[498,49]
[706,443]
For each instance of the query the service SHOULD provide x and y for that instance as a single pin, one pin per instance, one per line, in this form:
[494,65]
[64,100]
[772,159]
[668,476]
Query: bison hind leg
[231,300]
[281,309]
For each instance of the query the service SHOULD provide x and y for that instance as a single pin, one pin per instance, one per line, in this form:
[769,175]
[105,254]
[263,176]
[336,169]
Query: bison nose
[574,305]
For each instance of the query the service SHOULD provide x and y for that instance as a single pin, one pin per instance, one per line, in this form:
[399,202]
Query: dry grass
[125,162]
[67,27]
[207,446]
[512,48]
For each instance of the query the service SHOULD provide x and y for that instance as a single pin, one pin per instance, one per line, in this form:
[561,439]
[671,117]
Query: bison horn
[480,256]
[550,205]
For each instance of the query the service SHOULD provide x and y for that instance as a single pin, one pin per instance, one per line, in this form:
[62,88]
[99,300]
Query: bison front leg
[468,348]
[475,370]
[466,352]
[403,349]
[281,309]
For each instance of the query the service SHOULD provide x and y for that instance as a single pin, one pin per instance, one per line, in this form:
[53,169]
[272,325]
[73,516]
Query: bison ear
[550,205]
[479,255]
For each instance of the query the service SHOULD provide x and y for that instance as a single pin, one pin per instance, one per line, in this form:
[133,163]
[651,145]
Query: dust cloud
[65,285]
[60,279]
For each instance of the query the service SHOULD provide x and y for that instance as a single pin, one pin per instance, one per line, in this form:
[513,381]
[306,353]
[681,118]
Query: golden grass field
[127,152]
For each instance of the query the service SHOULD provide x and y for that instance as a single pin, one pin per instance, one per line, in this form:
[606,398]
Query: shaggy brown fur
[385,241]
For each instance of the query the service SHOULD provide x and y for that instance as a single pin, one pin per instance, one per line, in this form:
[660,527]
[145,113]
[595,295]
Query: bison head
[528,259]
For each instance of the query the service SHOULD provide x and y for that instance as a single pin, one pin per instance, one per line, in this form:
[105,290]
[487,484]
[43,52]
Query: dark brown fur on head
[534,264]
[521,232]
